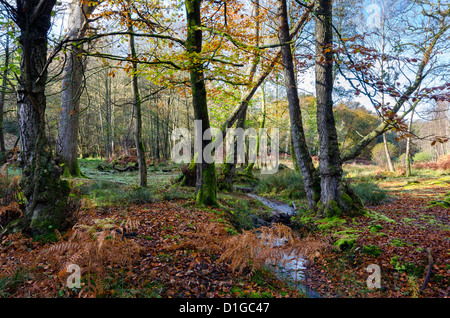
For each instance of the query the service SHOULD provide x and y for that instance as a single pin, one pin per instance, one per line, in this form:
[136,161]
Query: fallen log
[132,167]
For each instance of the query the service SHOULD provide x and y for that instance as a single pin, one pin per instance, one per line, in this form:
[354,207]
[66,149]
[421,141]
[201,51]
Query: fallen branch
[429,271]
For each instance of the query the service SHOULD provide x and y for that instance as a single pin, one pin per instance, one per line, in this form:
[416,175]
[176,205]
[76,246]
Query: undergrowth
[286,183]
[369,192]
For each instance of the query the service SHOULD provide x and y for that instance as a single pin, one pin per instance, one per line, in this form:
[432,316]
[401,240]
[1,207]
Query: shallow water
[288,266]
[276,206]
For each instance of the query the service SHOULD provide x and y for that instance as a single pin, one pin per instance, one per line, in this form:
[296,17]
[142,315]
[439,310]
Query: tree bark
[305,163]
[45,192]
[108,117]
[206,183]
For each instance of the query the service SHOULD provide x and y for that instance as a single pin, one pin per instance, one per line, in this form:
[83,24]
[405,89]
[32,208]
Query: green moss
[320,206]
[379,216]
[46,238]
[352,204]
[329,223]
[333,209]
[75,173]
[49,212]
[371,250]
[346,199]
[407,267]
[207,194]
[66,173]
[398,242]
[346,242]
[375,228]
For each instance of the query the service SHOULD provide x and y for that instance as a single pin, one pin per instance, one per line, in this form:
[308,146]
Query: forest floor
[172,248]
[399,236]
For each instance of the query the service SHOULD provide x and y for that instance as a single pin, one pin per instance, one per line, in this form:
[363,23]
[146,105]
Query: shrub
[369,192]
[176,193]
[379,154]
[422,156]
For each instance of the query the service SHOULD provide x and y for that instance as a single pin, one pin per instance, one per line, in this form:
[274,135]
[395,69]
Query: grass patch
[103,193]
[369,192]
[286,184]
[177,193]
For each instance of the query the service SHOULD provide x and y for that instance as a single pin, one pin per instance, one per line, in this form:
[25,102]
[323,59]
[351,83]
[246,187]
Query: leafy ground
[396,236]
[172,252]
[173,248]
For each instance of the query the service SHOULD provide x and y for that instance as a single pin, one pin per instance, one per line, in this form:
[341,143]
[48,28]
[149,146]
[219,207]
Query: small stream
[290,267]
[276,206]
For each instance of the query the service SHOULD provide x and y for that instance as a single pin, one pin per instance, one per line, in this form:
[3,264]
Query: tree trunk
[305,163]
[408,148]
[45,192]
[137,106]
[334,198]
[206,183]
[158,157]
[388,154]
[108,117]
[72,87]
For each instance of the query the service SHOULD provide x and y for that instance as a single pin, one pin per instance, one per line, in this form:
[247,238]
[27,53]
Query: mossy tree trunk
[305,163]
[335,198]
[206,182]
[45,192]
